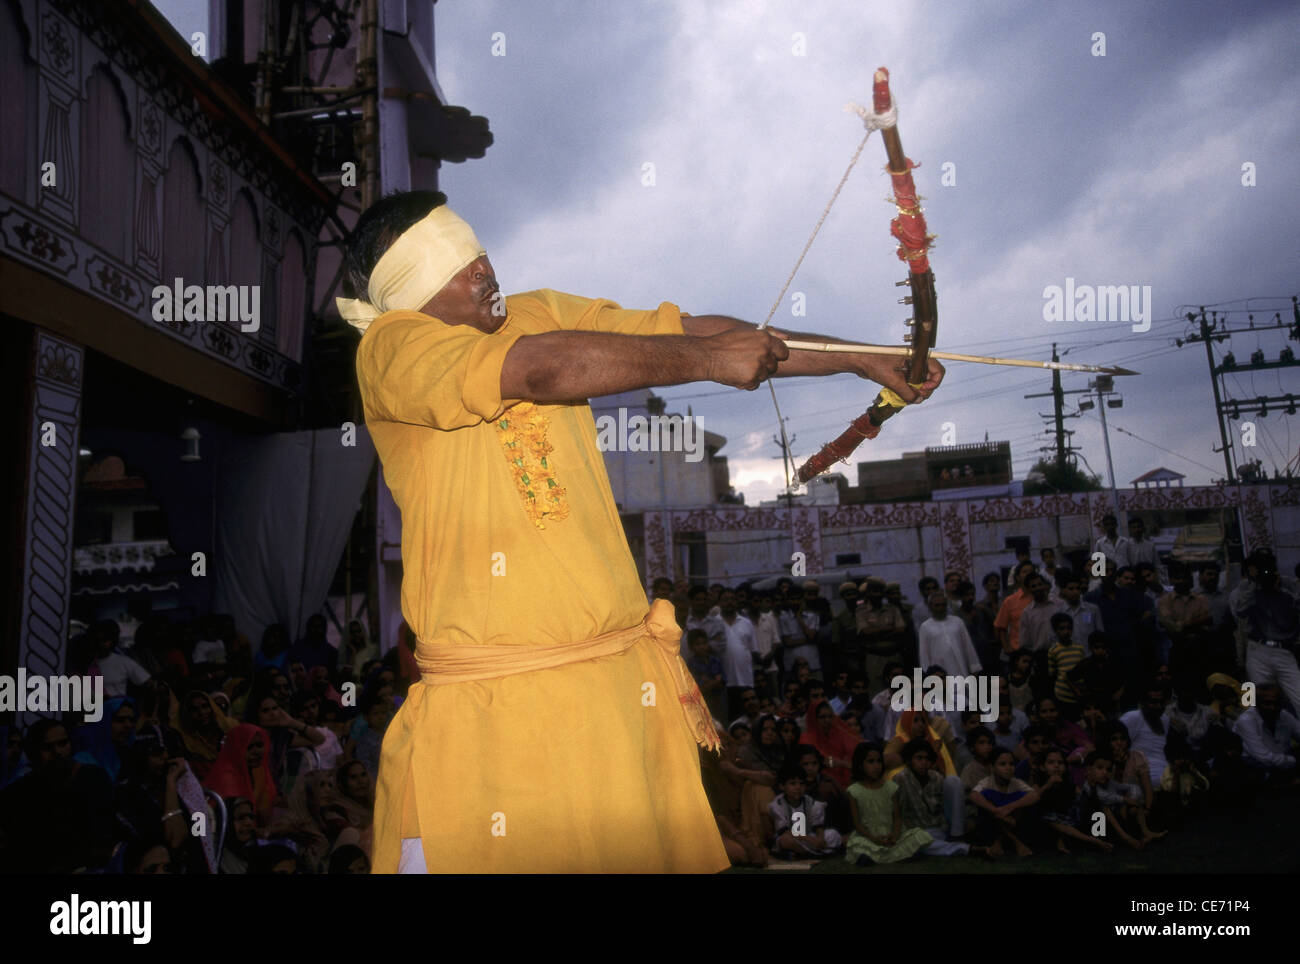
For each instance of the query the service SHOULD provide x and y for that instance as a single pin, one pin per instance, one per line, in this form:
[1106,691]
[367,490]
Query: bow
[908,226]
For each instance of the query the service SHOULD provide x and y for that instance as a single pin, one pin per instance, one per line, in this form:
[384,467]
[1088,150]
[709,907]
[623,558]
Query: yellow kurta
[511,537]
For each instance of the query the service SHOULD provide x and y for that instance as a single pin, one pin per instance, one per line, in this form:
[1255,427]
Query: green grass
[1265,840]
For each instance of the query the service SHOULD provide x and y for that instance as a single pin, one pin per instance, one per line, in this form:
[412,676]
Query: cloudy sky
[1125,168]
[1122,169]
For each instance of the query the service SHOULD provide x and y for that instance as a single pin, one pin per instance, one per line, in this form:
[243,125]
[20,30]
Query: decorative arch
[184,215]
[18,74]
[108,163]
[245,241]
[291,298]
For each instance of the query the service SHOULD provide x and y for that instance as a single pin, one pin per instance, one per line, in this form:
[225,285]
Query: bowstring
[771,387]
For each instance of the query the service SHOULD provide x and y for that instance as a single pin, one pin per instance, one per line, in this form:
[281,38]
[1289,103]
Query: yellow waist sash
[441,664]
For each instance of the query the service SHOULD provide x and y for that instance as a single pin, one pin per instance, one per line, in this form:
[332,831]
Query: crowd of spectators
[1129,701]
[1131,696]
[208,756]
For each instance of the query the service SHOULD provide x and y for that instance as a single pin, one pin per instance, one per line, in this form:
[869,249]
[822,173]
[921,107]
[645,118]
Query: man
[924,587]
[1148,729]
[314,648]
[767,633]
[881,626]
[1139,548]
[1110,543]
[118,670]
[962,604]
[1267,611]
[840,694]
[816,611]
[749,706]
[1185,618]
[741,645]
[951,580]
[1128,615]
[1085,615]
[907,639]
[945,642]
[800,627]
[846,642]
[1048,557]
[1007,623]
[699,617]
[1036,633]
[1147,581]
[1221,645]
[1267,736]
[476,406]
[983,634]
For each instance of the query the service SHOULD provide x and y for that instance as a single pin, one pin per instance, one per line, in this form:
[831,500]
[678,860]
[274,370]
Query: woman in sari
[916,725]
[834,739]
[724,781]
[762,758]
[203,727]
[104,743]
[242,769]
[352,809]
[306,824]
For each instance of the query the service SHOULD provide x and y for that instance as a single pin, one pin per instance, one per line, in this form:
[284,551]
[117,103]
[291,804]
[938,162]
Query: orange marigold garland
[523,437]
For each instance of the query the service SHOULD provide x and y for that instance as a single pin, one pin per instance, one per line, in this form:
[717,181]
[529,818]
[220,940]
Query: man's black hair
[379,226]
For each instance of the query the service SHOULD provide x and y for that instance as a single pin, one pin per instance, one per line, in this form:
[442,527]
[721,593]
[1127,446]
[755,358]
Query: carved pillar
[55,436]
[658,546]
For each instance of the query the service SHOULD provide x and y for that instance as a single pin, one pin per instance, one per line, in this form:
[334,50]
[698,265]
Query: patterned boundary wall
[1269,515]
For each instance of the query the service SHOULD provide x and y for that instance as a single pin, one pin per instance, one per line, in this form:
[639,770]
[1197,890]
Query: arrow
[857,349]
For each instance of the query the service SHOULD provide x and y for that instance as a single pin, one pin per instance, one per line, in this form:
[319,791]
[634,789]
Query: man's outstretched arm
[886,370]
[560,366]
[569,365]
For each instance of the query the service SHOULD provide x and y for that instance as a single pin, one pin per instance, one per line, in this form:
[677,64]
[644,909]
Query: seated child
[1183,787]
[822,787]
[799,821]
[982,746]
[1132,769]
[1106,806]
[929,801]
[1007,729]
[878,834]
[1058,805]
[1002,800]
[1033,745]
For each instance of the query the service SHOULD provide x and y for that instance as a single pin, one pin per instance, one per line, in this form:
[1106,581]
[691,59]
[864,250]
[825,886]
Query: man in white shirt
[767,633]
[1267,732]
[943,641]
[1139,547]
[699,617]
[1148,729]
[738,657]
[117,670]
[1110,544]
